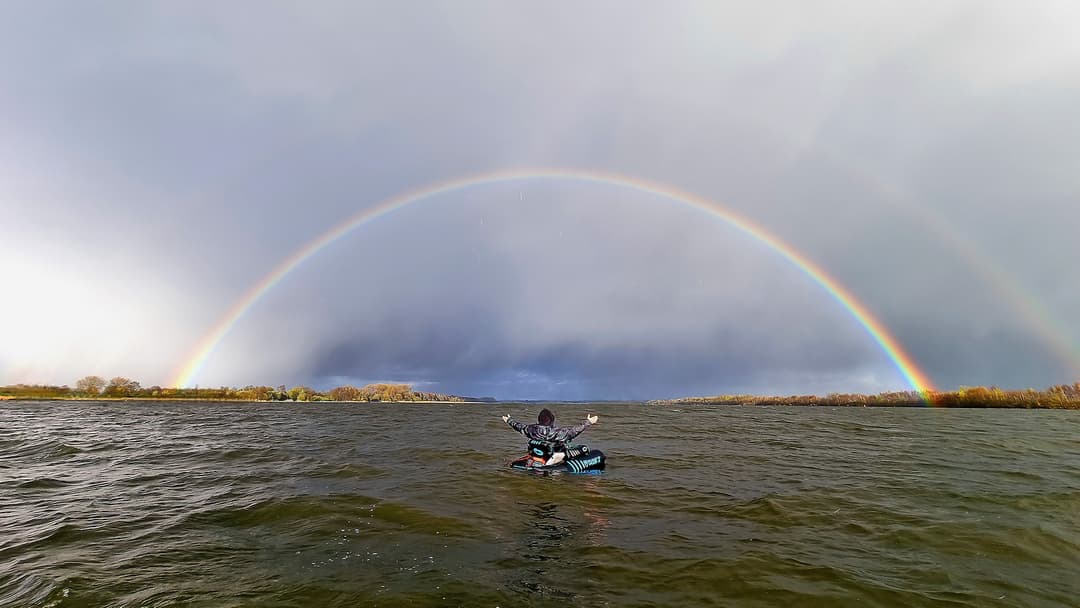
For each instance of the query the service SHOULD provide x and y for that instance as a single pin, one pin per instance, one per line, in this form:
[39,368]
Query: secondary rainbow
[913,375]
[1024,304]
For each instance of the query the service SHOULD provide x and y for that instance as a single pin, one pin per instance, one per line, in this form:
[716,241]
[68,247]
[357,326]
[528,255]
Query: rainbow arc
[908,368]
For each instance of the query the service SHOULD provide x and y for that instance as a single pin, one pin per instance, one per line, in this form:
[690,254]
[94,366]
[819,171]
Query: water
[163,504]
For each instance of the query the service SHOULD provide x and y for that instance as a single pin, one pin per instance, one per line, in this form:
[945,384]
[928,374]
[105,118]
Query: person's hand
[506,417]
[592,419]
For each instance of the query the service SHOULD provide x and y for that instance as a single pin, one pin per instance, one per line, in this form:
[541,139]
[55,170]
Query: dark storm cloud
[186,151]
[472,363]
[634,315]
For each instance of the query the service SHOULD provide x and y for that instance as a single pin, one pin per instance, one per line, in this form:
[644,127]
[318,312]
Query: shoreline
[756,402]
[94,388]
[217,400]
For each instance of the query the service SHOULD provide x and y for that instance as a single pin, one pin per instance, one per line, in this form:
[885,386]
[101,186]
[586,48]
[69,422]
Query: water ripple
[202,504]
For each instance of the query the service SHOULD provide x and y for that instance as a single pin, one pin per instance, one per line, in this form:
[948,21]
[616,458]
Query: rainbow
[1034,314]
[913,375]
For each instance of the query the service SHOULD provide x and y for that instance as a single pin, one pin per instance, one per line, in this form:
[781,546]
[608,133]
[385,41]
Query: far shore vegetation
[96,387]
[1064,396]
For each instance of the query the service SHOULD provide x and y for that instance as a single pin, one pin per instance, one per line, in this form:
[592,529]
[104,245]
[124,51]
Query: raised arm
[568,433]
[514,424]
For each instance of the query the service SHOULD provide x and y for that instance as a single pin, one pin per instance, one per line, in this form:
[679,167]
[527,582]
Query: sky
[158,160]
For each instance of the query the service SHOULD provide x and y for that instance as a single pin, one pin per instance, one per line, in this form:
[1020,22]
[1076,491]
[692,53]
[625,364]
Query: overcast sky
[158,159]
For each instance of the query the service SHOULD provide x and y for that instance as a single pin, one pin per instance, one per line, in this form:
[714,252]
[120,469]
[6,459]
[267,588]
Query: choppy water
[162,504]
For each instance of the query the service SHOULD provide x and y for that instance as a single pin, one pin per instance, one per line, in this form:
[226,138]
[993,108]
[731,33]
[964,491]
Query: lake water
[224,504]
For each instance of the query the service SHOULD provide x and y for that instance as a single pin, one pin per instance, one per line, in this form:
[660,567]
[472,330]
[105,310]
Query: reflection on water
[548,540]
[552,540]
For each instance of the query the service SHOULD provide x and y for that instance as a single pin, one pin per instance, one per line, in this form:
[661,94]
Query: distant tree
[387,392]
[345,393]
[90,385]
[301,393]
[121,387]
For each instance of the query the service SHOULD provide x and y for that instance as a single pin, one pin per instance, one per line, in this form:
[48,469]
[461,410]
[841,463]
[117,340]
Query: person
[546,439]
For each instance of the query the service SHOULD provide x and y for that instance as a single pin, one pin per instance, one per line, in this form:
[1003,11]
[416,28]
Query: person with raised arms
[547,442]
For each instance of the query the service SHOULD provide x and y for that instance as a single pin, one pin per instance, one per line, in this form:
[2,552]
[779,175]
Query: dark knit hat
[546,418]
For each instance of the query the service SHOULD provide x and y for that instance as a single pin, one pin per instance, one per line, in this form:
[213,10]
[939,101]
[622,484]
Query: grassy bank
[94,387]
[1065,396]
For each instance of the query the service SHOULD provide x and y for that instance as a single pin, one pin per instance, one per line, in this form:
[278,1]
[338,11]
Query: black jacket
[556,435]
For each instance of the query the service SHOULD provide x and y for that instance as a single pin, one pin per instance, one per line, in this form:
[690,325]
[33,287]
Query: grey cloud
[195,148]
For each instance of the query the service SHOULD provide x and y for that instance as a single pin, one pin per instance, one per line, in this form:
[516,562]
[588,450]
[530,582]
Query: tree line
[96,387]
[1062,396]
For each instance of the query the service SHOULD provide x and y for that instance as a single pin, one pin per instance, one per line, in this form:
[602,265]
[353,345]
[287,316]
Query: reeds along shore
[1065,396]
[95,387]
